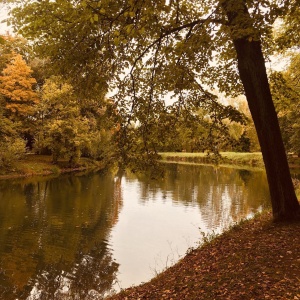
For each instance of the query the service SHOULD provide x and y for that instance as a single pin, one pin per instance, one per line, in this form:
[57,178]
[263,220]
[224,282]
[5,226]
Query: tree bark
[252,70]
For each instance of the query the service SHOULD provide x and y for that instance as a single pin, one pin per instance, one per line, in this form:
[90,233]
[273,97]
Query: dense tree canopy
[16,85]
[12,146]
[285,90]
[150,51]
[9,46]
[46,114]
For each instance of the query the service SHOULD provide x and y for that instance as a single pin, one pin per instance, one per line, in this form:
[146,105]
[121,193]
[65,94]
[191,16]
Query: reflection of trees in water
[57,245]
[90,277]
[245,175]
[224,195]
[53,233]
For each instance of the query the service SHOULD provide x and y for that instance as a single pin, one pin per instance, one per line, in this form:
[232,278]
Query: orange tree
[17,90]
[16,85]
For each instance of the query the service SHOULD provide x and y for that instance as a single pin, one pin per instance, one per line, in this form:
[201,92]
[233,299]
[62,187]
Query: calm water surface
[79,237]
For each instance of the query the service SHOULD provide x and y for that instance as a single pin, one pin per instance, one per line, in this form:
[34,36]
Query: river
[83,236]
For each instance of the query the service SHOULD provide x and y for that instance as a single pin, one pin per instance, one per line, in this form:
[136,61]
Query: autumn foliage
[16,85]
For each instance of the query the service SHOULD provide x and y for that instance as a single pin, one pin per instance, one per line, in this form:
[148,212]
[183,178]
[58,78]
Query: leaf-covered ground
[258,259]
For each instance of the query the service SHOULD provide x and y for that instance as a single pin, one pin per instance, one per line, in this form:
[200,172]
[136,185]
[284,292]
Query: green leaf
[116,41]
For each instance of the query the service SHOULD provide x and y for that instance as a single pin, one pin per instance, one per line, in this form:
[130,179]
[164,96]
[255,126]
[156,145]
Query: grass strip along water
[40,165]
[244,159]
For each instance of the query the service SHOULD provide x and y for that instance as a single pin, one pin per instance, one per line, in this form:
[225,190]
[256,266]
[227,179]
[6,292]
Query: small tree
[61,127]
[16,85]
[12,147]
[66,138]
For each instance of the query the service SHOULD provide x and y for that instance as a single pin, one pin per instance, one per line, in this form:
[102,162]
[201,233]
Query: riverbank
[226,158]
[37,165]
[40,165]
[257,259]
[244,160]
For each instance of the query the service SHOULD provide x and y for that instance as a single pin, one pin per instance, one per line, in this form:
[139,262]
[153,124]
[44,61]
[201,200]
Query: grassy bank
[257,259]
[226,158]
[32,165]
[235,159]
[35,165]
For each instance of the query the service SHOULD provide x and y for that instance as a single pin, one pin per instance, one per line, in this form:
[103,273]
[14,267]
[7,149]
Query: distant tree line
[41,113]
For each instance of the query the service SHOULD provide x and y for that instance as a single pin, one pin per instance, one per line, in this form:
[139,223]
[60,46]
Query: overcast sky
[3,15]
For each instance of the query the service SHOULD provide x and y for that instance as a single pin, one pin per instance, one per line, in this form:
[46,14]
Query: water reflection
[77,237]
[223,195]
[54,237]
[161,219]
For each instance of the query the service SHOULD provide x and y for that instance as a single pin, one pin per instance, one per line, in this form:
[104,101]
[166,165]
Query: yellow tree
[16,85]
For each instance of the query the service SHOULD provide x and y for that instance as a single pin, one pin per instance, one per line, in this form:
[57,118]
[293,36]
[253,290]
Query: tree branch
[190,25]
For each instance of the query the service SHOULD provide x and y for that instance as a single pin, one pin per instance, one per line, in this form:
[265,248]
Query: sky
[3,15]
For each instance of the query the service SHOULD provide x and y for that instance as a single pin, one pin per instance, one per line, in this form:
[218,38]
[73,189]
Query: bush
[10,151]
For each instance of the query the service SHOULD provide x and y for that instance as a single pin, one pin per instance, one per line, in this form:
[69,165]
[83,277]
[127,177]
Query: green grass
[233,158]
[33,165]
[253,159]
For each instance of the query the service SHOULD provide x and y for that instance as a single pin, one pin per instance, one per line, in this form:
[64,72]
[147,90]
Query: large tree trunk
[253,75]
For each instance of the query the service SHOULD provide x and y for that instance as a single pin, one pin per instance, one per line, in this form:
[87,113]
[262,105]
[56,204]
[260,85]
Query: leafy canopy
[16,86]
[147,52]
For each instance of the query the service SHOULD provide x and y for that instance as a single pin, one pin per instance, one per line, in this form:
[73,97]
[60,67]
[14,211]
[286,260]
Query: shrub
[10,151]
